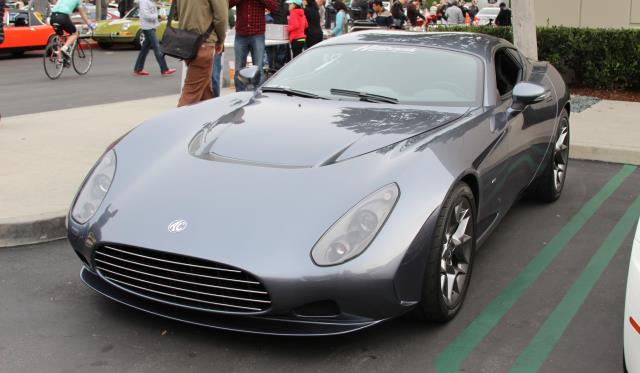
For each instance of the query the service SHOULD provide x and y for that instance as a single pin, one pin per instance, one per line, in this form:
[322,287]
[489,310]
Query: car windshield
[406,74]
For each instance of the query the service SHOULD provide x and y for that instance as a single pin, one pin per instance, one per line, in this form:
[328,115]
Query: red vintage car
[23,31]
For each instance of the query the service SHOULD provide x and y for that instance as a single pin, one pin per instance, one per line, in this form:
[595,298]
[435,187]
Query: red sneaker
[169,72]
[140,72]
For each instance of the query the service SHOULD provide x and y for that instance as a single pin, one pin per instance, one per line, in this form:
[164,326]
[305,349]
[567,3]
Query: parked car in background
[632,310]
[23,31]
[487,16]
[90,9]
[126,30]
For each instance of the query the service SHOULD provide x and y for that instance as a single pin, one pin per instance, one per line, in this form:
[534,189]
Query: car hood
[278,130]
[256,217]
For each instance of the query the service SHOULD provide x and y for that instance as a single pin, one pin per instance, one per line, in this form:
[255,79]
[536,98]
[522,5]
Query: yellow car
[126,30]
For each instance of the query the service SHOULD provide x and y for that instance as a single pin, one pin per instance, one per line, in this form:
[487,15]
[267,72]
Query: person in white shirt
[148,11]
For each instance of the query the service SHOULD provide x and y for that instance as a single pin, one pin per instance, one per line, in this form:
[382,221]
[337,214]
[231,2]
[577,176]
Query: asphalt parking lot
[547,294]
[26,89]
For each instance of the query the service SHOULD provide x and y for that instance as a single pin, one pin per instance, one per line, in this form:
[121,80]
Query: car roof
[475,43]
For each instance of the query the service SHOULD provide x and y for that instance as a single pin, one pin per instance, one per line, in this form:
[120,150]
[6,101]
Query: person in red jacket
[297,25]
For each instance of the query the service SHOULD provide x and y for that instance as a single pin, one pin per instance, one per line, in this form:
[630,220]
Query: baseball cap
[297,2]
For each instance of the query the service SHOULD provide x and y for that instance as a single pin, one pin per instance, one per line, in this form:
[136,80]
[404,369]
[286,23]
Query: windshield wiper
[291,92]
[364,96]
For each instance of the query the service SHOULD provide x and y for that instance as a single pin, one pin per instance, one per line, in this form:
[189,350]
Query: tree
[524,27]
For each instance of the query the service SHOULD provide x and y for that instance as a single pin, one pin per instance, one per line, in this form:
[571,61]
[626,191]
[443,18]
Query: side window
[508,71]
[133,13]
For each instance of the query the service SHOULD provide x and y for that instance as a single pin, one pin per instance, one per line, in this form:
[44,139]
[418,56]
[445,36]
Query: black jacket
[413,13]
[397,11]
[504,17]
[313,31]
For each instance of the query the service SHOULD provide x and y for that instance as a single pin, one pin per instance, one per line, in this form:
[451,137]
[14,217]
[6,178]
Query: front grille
[181,280]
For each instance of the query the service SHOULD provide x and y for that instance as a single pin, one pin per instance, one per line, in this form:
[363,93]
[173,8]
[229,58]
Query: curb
[50,227]
[32,229]
[601,153]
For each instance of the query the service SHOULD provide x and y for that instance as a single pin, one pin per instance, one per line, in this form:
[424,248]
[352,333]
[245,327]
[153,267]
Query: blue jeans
[215,78]
[150,41]
[243,45]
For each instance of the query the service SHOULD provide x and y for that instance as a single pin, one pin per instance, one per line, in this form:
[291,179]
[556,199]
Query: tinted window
[508,71]
[413,75]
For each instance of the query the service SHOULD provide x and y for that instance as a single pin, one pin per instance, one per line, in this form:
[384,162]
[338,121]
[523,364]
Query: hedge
[586,57]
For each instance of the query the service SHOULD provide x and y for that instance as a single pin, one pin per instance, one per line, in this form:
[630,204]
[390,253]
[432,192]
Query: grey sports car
[351,187]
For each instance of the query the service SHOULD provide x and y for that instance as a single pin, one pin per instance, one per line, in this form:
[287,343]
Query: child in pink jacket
[297,25]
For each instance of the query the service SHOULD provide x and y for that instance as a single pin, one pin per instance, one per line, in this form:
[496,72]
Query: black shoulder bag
[182,44]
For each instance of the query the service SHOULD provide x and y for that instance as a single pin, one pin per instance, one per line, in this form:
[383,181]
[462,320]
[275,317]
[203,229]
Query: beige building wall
[588,13]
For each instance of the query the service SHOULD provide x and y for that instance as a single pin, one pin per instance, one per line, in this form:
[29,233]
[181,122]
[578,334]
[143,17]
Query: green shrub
[595,58]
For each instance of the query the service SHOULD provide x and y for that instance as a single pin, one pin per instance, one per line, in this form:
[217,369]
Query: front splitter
[268,325]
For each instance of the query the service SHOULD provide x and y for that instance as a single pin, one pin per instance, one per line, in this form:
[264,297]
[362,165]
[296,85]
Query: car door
[519,167]
[18,34]
[531,139]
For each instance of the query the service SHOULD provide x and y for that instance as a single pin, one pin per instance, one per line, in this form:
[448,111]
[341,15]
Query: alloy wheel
[455,259]
[561,157]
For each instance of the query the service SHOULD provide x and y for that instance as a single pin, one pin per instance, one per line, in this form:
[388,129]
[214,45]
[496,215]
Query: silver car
[345,190]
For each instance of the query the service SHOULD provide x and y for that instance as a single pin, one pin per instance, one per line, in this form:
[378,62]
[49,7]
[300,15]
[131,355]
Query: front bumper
[114,37]
[270,325]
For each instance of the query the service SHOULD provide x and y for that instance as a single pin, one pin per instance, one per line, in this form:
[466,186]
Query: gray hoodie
[148,15]
[454,15]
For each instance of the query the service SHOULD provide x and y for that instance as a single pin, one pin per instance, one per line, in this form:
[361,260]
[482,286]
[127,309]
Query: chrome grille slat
[176,271]
[172,262]
[186,298]
[181,280]
[182,289]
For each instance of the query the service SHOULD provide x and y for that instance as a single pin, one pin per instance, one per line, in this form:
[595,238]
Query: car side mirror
[250,77]
[526,93]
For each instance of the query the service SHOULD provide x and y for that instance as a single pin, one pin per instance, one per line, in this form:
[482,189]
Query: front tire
[450,258]
[52,64]
[82,57]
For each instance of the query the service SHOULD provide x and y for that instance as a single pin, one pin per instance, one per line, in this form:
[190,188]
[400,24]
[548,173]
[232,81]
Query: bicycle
[54,60]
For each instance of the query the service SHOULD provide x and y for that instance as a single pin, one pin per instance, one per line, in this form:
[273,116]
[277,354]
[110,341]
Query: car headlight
[95,188]
[353,232]
[126,26]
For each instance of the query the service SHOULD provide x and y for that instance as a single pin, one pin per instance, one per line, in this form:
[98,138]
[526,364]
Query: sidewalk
[45,156]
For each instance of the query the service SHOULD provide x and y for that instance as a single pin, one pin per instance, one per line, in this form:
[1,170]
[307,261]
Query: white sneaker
[66,50]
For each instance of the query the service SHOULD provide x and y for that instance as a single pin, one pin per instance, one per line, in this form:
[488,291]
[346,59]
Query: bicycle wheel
[52,60]
[82,57]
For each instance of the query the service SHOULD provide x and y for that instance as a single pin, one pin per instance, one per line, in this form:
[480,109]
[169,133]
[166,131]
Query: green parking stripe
[457,351]
[535,354]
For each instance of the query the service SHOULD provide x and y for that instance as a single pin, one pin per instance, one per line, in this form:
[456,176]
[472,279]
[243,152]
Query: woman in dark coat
[314,31]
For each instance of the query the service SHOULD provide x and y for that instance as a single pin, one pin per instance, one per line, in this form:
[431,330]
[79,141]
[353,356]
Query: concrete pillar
[524,27]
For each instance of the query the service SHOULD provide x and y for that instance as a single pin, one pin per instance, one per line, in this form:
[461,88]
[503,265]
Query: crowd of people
[412,13]
[304,20]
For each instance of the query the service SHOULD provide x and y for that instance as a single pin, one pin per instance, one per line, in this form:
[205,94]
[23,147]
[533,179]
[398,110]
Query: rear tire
[139,39]
[450,258]
[52,64]
[548,186]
